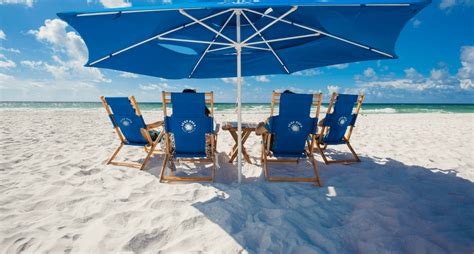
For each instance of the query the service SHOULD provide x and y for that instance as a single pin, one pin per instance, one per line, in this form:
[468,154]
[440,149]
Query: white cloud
[12,50]
[467,62]
[128,75]
[232,80]
[333,89]
[413,74]
[158,86]
[114,3]
[416,23]
[14,88]
[32,64]
[448,4]
[415,86]
[229,80]
[263,79]
[369,73]
[466,72]
[6,63]
[310,72]
[3,36]
[69,53]
[339,66]
[403,84]
[439,74]
[28,3]
[444,4]
[438,82]
[466,84]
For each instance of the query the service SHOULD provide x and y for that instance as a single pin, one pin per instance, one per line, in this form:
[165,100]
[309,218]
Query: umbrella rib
[192,41]
[232,46]
[212,43]
[157,36]
[294,8]
[268,44]
[183,12]
[321,32]
[253,47]
[221,48]
[126,12]
[285,38]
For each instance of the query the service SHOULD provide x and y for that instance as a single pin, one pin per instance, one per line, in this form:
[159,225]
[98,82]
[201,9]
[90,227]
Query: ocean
[367,108]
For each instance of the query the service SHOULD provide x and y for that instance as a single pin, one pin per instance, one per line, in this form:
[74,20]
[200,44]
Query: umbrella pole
[238,48]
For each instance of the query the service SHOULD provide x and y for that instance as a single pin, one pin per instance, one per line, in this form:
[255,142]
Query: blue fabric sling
[125,117]
[189,124]
[292,126]
[340,119]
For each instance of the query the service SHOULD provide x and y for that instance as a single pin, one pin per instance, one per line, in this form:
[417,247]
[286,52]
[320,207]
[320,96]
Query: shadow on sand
[376,206]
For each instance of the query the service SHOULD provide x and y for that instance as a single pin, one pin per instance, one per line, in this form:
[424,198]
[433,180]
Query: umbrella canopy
[213,40]
[174,41]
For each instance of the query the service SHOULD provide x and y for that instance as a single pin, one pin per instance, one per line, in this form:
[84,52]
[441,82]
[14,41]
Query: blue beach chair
[128,122]
[337,127]
[189,133]
[290,131]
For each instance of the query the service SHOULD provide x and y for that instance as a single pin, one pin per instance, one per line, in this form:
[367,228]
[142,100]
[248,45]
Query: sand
[413,192]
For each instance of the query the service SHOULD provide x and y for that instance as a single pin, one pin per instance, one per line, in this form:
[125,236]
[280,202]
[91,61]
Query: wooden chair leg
[352,151]
[327,162]
[265,165]
[321,151]
[150,153]
[172,166]
[115,153]
[316,171]
[308,144]
[163,167]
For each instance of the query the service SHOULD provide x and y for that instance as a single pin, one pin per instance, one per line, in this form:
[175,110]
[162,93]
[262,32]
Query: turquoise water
[367,108]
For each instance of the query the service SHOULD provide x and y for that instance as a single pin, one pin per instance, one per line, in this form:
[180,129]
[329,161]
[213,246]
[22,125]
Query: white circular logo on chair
[295,126]
[342,120]
[125,122]
[188,126]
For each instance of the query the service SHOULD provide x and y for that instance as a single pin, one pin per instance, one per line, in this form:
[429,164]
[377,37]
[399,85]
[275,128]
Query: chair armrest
[155,125]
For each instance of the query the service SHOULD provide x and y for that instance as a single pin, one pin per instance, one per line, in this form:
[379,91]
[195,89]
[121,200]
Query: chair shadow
[378,205]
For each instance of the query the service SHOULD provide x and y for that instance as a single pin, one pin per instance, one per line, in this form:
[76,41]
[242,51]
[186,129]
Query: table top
[233,126]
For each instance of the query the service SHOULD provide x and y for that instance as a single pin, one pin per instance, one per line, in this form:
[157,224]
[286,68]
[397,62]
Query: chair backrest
[341,118]
[126,116]
[292,126]
[188,122]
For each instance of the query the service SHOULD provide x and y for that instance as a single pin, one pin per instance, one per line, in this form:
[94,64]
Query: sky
[42,59]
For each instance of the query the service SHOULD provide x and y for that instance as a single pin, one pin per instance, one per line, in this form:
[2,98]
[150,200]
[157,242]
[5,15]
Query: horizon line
[149,102]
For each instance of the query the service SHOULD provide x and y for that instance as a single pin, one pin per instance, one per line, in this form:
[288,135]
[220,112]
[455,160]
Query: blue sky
[41,59]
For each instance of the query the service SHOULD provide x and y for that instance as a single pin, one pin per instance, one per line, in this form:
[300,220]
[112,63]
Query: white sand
[413,192]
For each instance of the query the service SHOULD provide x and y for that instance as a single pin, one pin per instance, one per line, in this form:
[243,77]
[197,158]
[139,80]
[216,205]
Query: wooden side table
[247,129]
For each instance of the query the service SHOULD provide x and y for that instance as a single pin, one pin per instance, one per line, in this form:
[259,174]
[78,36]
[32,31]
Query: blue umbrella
[213,40]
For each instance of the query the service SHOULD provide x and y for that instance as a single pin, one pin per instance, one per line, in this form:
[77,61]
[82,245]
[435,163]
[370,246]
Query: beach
[413,191]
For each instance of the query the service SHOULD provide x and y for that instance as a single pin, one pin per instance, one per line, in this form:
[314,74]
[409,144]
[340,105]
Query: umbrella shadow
[226,172]
[377,205]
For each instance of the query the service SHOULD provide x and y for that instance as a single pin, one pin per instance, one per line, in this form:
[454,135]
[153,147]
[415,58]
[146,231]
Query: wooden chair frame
[325,129]
[149,148]
[266,152]
[209,97]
